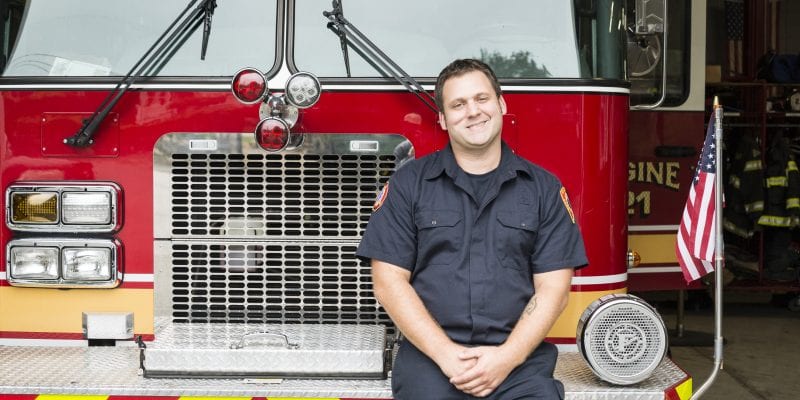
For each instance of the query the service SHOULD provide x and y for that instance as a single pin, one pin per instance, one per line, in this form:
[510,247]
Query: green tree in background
[519,64]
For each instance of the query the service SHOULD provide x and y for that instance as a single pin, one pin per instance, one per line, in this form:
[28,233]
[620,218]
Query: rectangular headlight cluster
[63,262]
[35,207]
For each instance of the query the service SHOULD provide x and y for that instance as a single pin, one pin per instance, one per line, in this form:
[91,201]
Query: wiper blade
[157,55]
[373,54]
[208,8]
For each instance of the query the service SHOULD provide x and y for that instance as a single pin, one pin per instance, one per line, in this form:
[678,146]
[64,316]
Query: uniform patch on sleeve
[381,197]
[565,200]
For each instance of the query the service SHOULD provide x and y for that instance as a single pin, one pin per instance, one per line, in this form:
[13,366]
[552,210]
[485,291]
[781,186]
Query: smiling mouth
[478,125]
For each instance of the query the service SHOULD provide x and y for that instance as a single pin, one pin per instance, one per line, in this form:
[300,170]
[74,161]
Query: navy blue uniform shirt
[473,264]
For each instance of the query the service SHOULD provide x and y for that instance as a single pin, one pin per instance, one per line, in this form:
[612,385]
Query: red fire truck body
[204,226]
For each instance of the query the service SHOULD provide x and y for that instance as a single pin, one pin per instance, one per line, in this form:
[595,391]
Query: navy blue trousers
[417,377]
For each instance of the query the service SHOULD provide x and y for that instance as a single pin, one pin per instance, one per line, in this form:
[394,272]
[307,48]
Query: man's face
[472,112]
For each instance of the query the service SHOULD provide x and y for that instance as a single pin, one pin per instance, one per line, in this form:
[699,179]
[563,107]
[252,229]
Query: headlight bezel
[114,219]
[64,244]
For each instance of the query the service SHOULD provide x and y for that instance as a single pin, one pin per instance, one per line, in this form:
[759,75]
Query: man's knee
[415,376]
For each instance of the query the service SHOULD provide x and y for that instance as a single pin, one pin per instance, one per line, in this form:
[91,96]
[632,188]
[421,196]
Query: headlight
[86,264]
[63,207]
[62,262]
[26,262]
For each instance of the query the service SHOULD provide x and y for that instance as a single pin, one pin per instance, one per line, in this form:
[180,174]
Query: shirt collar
[445,162]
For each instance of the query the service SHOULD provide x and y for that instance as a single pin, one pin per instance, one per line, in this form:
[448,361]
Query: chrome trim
[61,244]
[60,188]
[226,87]
[276,106]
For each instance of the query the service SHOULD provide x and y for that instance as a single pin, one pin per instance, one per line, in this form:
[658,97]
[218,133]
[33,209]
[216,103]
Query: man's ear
[503,107]
[442,122]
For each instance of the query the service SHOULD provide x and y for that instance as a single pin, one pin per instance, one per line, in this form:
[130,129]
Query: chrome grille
[275,195]
[245,236]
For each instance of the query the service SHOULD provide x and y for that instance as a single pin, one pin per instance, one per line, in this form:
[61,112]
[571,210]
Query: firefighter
[744,194]
[472,251]
[781,210]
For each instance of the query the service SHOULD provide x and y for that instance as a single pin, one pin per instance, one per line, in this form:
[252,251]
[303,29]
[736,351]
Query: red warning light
[249,85]
[272,134]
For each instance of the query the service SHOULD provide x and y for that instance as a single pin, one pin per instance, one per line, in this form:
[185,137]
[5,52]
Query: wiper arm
[373,55]
[158,54]
[337,9]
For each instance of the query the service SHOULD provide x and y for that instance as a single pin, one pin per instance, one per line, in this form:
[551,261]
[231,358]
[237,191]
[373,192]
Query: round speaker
[622,338]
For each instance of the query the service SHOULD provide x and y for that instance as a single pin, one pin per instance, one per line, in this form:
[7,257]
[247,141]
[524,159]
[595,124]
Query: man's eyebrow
[457,99]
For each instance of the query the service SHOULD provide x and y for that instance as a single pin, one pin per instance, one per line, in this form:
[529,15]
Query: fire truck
[185,183]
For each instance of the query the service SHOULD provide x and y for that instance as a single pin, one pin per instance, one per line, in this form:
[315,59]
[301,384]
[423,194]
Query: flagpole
[719,254]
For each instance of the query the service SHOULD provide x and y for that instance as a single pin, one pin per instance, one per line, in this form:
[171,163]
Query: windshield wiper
[337,9]
[372,54]
[187,22]
[208,12]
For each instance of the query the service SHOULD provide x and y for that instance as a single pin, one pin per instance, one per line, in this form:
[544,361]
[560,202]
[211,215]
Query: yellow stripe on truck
[60,310]
[52,310]
[684,390]
[70,397]
[566,324]
[654,248]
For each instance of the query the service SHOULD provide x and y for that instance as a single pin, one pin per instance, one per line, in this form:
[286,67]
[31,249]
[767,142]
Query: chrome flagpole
[719,253]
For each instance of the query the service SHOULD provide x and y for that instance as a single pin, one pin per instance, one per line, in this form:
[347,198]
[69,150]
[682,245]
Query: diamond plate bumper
[115,371]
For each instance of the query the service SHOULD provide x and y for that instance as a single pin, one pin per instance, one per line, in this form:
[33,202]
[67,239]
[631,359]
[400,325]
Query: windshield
[518,38]
[106,38]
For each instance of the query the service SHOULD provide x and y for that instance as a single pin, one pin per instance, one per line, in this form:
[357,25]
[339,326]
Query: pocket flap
[437,218]
[513,219]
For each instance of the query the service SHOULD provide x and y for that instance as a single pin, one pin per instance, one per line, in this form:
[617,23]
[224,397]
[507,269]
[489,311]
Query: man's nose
[472,108]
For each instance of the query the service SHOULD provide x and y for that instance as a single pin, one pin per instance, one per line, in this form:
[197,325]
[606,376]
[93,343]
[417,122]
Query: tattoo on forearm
[531,306]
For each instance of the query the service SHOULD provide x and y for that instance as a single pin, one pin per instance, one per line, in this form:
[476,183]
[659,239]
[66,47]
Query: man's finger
[465,377]
[468,353]
[472,386]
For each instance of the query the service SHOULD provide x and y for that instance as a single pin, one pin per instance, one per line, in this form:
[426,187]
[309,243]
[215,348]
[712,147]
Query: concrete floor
[761,357]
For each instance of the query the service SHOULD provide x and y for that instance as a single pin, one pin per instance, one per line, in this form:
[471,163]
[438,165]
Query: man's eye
[483,99]
[456,106]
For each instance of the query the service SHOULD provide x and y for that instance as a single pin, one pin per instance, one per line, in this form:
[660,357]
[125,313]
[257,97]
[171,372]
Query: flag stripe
[696,239]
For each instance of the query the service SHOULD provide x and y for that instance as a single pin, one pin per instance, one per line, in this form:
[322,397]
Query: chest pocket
[514,237]
[440,235]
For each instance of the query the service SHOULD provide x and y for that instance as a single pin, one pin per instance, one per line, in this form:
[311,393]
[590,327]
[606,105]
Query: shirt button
[523,225]
[433,222]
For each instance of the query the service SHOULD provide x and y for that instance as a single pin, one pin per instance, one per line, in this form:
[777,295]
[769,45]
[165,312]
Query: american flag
[734,29]
[697,231]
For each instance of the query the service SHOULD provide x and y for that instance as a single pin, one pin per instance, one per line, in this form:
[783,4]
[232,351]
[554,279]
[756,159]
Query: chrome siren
[622,338]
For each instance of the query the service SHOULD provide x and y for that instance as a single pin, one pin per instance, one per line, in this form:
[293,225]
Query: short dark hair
[460,67]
